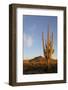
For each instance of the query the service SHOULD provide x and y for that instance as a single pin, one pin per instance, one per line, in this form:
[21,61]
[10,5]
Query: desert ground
[38,65]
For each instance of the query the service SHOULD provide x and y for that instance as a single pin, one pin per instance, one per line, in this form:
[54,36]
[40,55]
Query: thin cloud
[28,40]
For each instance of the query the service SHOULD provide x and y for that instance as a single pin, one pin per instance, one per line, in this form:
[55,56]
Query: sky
[33,26]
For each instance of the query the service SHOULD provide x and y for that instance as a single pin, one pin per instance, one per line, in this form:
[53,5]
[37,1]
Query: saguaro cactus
[48,46]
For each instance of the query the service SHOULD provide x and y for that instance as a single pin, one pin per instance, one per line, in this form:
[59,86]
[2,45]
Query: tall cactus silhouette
[48,46]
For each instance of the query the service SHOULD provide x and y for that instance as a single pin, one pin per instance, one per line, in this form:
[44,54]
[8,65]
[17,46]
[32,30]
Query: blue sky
[33,28]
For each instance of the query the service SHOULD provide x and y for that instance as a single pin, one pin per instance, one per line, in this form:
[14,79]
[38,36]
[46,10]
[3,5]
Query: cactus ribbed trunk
[48,47]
